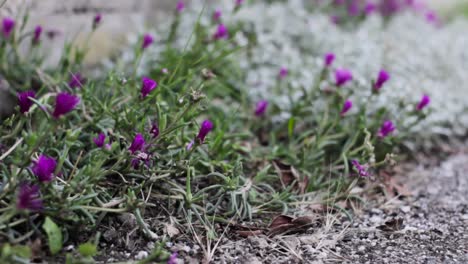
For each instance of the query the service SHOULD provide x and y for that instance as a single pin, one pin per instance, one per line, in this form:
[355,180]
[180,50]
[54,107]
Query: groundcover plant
[182,135]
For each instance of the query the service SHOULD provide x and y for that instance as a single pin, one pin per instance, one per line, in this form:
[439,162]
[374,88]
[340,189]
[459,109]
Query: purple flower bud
[346,107]
[283,73]
[64,103]
[205,128]
[76,80]
[138,143]
[425,100]
[180,6]
[335,19]
[432,17]
[387,128]
[147,40]
[147,86]
[24,100]
[217,15]
[172,259]
[261,108]
[29,198]
[370,8]
[97,20]
[7,26]
[221,32]
[99,140]
[37,35]
[362,169]
[342,76]
[381,79]
[329,58]
[154,130]
[44,168]
[135,163]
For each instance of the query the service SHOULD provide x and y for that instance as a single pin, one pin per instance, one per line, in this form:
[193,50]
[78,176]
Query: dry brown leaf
[171,230]
[248,233]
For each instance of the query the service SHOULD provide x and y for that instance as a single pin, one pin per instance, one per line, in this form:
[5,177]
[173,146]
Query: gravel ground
[429,227]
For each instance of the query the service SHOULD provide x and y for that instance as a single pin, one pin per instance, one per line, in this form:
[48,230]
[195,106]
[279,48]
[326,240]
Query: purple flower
[261,108]
[432,17]
[24,100]
[64,103]
[180,6]
[329,58]
[99,140]
[147,40]
[147,86]
[387,128]
[135,163]
[342,76]
[29,197]
[381,79]
[205,128]
[138,143]
[217,15]
[76,80]
[7,26]
[283,73]
[335,19]
[370,8]
[44,168]
[172,259]
[362,169]
[154,130]
[346,107]
[221,32]
[239,2]
[165,71]
[353,8]
[37,34]
[97,20]
[425,100]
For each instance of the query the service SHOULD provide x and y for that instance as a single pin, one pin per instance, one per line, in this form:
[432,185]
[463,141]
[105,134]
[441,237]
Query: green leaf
[87,249]
[291,126]
[54,235]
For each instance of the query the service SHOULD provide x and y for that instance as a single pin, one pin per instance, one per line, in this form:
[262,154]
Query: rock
[141,255]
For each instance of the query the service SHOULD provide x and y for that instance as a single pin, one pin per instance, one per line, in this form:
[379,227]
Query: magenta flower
[362,169]
[425,100]
[261,108]
[342,76]
[44,168]
[180,6]
[172,259]
[370,8]
[329,58]
[283,72]
[147,40]
[138,143]
[387,128]
[239,2]
[97,20]
[7,26]
[221,32]
[217,15]
[24,100]
[346,107]
[76,80]
[432,17]
[381,79]
[147,86]
[205,128]
[99,140]
[64,103]
[154,130]
[37,35]
[29,198]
